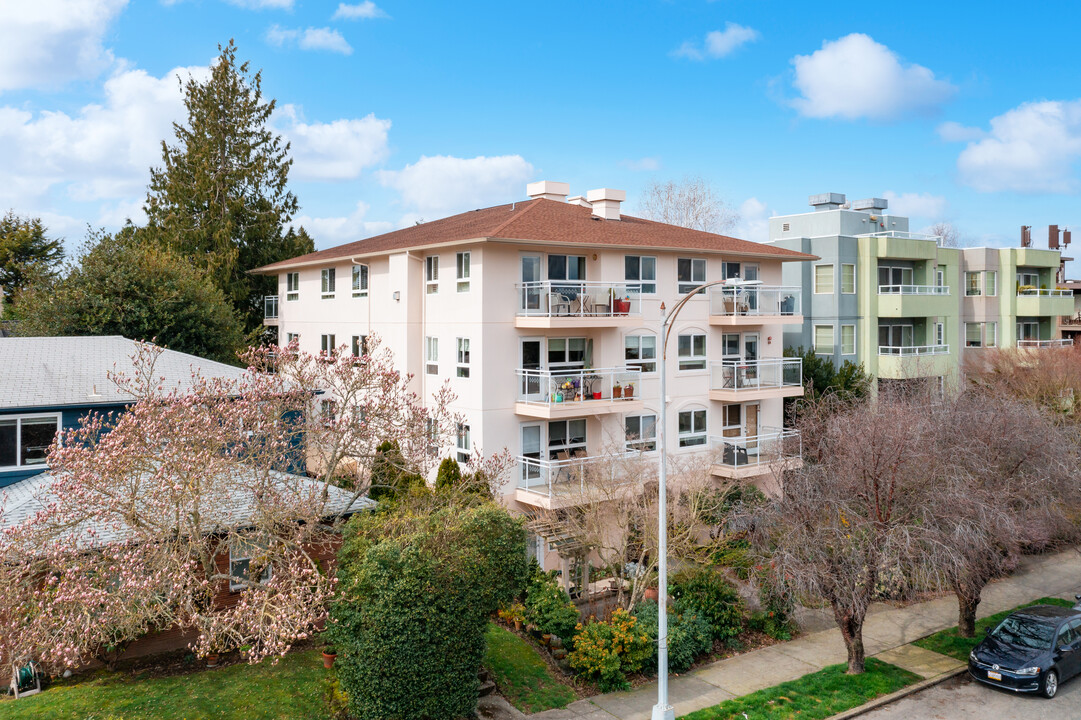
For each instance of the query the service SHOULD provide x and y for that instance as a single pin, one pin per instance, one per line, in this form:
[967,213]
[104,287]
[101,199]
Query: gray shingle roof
[61,371]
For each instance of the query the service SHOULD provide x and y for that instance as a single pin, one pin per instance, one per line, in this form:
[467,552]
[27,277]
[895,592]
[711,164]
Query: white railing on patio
[762,374]
[564,476]
[1043,292]
[270,307]
[576,298]
[754,300]
[1045,343]
[549,387]
[913,350]
[903,235]
[768,446]
[913,289]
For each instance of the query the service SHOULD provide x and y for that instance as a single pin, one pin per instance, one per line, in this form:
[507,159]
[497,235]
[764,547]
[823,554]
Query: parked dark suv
[1033,650]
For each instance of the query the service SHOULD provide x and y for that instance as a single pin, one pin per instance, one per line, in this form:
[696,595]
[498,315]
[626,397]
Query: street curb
[895,696]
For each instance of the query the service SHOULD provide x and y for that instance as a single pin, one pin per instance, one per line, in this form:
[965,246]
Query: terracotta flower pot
[517,624]
[328,659]
[212,660]
[652,593]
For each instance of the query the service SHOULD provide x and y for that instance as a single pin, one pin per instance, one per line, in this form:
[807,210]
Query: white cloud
[338,150]
[753,223]
[642,164]
[956,132]
[719,43]
[442,185]
[366,10]
[856,77]
[46,43]
[1030,149]
[331,231]
[262,4]
[918,205]
[309,39]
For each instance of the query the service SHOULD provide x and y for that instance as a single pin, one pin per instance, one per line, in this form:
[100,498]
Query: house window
[431,432]
[823,279]
[640,352]
[692,352]
[360,281]
[990,281]
[291,338]
[241,555]
[566,439]
[848,279]
[824,339]
[692,428]
[566,353]
[991,334]
[328,411]
[292,286]
[462,264]
[465,444]
[972,335]
[1029,279]
[940,333]
[566,267]
[431,274]
[431,355]
[730,345]
[641,269]
[940,276]
[732,419]
[972,284]
[359,345]
[327,345]
[328,282]
[641,432]
[848,339]
[690,273]
[463,357]
[25,441]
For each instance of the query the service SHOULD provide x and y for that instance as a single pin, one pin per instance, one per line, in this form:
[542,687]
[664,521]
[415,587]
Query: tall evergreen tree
[221,195]
[25,252]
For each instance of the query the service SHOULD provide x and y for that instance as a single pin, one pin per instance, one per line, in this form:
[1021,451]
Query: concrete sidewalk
[886,635]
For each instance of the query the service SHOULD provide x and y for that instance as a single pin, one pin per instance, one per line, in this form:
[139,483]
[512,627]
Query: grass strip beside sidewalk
[814,696]
[948,642]
[521,674]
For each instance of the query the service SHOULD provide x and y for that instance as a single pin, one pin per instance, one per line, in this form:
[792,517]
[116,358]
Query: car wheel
[1050,684]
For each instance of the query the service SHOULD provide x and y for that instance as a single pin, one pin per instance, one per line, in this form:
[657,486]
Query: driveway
[962,698]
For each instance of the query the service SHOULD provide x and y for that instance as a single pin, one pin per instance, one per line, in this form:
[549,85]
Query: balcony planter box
[621,307]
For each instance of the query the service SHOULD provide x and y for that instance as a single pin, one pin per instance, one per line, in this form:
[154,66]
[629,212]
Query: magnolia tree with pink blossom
[134,529]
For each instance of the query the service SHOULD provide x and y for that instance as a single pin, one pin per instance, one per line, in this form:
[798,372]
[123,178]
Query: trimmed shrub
[449,475]
[549,609]
[716,599]
[413,604]
[389,477]
[688,634]
[608,651]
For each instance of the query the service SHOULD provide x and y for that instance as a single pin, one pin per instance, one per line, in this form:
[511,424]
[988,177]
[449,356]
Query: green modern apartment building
[902,304]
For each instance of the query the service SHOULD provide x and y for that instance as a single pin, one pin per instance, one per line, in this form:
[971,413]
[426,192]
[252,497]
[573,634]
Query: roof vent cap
[826,201]
[870,204]
[605,202]
[548,190]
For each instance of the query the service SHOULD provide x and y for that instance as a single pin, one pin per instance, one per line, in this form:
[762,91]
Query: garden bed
[949,642]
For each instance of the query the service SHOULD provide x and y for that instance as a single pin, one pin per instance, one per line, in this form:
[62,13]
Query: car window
[1025,632]
[1066,636]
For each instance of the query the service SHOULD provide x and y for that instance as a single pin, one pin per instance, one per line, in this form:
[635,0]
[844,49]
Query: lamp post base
[663,712]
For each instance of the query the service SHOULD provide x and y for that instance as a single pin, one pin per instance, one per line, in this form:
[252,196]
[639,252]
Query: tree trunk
[966,614]
[851,627]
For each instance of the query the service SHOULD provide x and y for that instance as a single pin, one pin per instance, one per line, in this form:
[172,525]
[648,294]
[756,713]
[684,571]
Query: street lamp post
[662,710]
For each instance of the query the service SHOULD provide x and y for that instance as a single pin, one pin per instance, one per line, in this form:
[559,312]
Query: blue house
[49,383]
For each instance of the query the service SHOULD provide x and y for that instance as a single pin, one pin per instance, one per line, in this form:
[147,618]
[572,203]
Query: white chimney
[548,190]
[605,202]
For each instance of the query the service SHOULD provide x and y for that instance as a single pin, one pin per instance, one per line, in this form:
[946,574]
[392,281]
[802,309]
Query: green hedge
[716,599]
[548,608]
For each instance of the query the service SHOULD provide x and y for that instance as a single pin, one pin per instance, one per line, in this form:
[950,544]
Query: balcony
[897,301]
[772,450]
[270,310]
[1039,302]
[577,304]
[555,394]
[743,380]
[1045,343]
[909,361]
[754,305]
[552,484]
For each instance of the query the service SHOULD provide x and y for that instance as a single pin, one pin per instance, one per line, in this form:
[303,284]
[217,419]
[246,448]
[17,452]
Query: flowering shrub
[548,608]
[689,633]
[608,651]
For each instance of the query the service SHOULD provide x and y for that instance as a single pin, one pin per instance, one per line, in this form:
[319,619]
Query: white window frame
[643,442]
[235,557]
[845,268]
[328,282]
[327,344]
[359,345]
[832,278]
[698,275]
[648,284]
[978,342]
[431,274]
[978,290]
[290,337]
[292,286]
[461,265]
[697,436]
[431,355]
[990,334]
[19,419]
[844,345]
[462,356]
[833,339]
[691,361]
[638,344]
[990,283]
[360,281]
[463,447]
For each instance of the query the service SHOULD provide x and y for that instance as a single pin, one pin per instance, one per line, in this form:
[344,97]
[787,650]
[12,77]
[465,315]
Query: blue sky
[403,111]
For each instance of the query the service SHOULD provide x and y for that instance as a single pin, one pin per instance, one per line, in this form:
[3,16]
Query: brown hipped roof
[547,222]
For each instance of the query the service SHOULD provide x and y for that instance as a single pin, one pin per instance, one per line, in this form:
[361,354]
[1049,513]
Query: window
[972,335]
[641,432]
[292,286]
[990,280]
[242,553]
[732,418]
[690,273]
[463,357]
[465,444]
[640,352]
[431,432]
[359,345]
[25,441]
[1027,278]
[940,276]
[328,411]
[891,278]
[328,282]
[566,353]
[848,339]
[567,438]
[823,279]
[972,284]
[848,279]
[895,336]
[824,339]
[692,428]
[991,334]
[641,269]
[360,281]
[431,355]
[566,267]
[940,333]
[730,346]
[292,337]
[327,345]
[431,274]
[692,352]
[462,264]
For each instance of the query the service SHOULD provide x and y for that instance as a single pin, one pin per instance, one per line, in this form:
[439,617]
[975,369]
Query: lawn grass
[948,642]
[294,688]
[521,674]
[817,695]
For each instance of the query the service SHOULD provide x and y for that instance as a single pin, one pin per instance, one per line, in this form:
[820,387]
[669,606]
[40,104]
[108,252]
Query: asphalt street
[963,697]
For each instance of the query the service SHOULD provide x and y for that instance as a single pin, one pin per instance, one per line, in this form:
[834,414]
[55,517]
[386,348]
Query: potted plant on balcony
[617,390]
[628,390]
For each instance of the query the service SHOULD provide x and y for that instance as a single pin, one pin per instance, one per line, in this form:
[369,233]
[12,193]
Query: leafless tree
[949,233]
[690,203]
[1048,377]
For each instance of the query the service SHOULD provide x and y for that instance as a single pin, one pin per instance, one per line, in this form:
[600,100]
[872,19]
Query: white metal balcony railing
[564,475]
[1068,342]
[270,307]
[754,300]
[902,235]
[1043,292]
[547,387]
[575,298]
[913,350]
[750,375]
[768,446]
[913,289]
